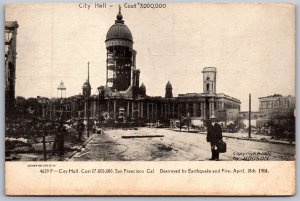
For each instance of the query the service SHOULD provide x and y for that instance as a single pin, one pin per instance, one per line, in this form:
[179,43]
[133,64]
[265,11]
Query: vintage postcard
[150,99]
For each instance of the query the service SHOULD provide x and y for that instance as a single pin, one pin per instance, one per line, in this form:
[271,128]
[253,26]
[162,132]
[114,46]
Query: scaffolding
[119,63]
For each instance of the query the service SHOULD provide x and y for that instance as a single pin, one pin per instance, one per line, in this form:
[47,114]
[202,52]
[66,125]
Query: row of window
[274,104]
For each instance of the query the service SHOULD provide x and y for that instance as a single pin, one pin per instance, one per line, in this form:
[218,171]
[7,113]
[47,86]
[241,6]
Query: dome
[142,90]
[142,87]
[119,30]
[86,84]
[168,85]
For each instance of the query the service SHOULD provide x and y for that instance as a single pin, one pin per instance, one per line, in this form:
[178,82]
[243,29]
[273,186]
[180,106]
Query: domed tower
[209,80]
[86,89]
[120,63]
[142,90]
[169,93]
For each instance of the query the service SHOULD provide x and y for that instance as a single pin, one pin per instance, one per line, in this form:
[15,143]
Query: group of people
[58,147]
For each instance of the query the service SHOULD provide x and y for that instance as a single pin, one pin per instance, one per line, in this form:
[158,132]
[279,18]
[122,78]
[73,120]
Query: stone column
[43,111]
[142,109]
[115,109]
[202,108]
[211,107]
[139,105]
[155,111]
[166,110]
[194,109]
[147,110]
[132,109]
[169,109]
[178,112]
[173,113]
[186,108]
[209,111]
[128,108]
[152,111]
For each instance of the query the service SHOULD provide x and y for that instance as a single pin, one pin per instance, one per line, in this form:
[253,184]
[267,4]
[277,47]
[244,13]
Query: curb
[248,139]
[83,145]
[257,140]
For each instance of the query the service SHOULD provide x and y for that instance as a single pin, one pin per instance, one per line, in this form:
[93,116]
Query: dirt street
[174,146]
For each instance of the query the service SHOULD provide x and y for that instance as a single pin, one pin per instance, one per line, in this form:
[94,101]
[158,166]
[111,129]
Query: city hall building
[123,97]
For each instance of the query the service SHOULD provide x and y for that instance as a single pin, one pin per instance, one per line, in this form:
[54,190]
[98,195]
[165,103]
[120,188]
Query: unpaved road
[174,146]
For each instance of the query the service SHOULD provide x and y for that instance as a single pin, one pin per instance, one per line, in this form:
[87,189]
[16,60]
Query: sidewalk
[244,136]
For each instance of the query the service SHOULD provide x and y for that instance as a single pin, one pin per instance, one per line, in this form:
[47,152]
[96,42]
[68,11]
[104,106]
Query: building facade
[257,119]
[279,110]
[124,98]
[10,64]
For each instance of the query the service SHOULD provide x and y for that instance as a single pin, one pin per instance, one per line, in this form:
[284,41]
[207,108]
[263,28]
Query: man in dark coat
[214,136]
[59,142]
[80,129]
[61,139]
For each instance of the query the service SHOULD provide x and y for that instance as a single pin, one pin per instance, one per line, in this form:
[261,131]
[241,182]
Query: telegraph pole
[249,132]
[88,105]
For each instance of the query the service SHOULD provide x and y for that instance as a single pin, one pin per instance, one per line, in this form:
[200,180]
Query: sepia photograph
[190,82]
[108,83]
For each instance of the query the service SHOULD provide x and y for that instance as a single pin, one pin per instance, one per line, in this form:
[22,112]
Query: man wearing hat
[214,136]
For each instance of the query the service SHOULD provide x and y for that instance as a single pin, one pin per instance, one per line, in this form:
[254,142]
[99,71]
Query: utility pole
[249,132]
[188,118]
[88,101]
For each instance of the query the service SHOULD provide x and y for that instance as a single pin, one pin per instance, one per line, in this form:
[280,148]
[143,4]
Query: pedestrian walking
[80,129]
[214,136]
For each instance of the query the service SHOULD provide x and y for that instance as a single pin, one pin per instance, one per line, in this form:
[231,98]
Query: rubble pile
[24,136]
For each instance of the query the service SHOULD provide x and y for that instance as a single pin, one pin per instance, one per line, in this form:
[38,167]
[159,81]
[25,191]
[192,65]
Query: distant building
[279,110]
[20,104]
[205,104]
[43,109]
[257,119]
[227,115]
[10,64]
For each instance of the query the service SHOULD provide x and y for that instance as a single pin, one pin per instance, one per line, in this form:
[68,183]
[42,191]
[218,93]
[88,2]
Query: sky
[251,45]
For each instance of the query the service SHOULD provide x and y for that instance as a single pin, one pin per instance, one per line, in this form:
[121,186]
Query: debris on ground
[141,136]
[163,147]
